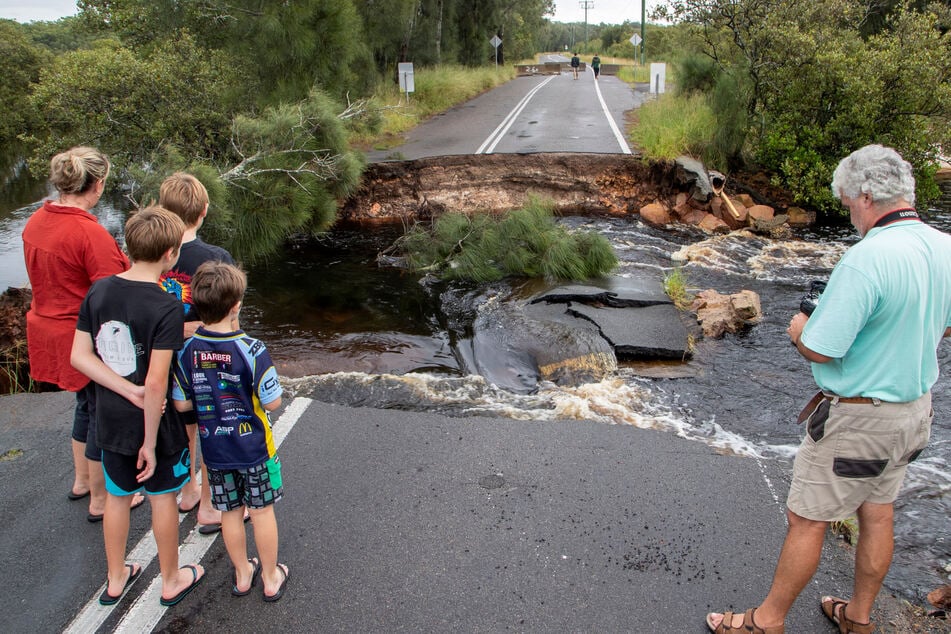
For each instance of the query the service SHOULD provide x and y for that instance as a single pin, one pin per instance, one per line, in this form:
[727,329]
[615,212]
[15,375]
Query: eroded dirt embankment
[576,183]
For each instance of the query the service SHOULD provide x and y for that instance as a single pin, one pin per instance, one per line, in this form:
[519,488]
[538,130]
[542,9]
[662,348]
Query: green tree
[61,36]
[129,106]
[20,64]
[816,85]
[286,48]
[292,165]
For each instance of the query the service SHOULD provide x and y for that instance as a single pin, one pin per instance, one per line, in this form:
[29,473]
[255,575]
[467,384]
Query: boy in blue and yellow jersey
[229,380]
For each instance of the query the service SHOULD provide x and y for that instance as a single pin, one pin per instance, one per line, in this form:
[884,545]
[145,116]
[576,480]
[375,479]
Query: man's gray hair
[875,170]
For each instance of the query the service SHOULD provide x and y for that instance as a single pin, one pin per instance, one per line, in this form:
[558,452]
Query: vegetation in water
[525,242]
[675,285]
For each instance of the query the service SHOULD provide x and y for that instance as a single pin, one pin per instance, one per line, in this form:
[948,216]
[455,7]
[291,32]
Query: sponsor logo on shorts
[223,431]
[245,429]
[203,431]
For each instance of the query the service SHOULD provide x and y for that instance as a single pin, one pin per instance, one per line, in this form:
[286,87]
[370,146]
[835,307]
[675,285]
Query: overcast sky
[606,11]
[29,10]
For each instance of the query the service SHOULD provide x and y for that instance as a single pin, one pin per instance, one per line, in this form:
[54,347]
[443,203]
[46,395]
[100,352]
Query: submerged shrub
[526,242]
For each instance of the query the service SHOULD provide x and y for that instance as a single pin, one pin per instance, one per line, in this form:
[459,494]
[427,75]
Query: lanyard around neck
[894,216]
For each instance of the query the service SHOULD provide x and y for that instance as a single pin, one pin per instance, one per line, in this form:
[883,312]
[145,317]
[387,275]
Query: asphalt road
[397,521]
[553,113]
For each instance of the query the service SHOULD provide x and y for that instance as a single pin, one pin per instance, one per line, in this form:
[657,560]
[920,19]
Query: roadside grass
[14,377]
[671,126]
[436,90]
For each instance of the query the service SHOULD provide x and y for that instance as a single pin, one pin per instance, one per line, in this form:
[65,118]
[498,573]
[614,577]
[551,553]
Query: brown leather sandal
[749,625]
[846,625]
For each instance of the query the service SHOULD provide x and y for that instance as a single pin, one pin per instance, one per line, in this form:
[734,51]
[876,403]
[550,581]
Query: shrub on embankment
[794,86]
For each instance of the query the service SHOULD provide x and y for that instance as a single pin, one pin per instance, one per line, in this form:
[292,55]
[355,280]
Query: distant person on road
[66,250]
[596,65]
[126,337]
[575,64]
[229,378]
[185,196]
[872,340]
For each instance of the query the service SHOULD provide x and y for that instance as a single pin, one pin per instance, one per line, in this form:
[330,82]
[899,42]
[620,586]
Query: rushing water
[351,330]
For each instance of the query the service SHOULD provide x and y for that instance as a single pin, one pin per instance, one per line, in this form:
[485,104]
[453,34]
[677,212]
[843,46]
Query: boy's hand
[137,396]
[146,463]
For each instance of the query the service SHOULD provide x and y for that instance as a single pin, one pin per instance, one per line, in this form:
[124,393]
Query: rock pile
[701,202]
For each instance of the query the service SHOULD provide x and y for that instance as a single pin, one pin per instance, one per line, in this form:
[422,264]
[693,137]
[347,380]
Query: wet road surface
[400,521]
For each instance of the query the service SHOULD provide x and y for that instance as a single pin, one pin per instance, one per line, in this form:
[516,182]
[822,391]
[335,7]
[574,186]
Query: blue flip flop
[181,595]
[107,599]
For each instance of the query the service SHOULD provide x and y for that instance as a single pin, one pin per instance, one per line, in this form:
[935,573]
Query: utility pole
[643,19]
[586,4]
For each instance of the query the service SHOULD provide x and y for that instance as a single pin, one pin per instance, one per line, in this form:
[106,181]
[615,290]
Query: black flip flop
[254,578]
[107,599]
[271,598]
[77,496]
[92,518]
[181,595]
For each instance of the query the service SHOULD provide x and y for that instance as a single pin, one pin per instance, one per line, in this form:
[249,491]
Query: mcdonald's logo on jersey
[245,429]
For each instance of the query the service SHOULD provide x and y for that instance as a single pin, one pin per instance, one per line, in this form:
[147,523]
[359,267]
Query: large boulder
[712,224]
[719,314]
[655,214]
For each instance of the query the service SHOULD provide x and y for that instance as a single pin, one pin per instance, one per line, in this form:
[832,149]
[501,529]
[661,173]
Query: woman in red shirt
[66,250]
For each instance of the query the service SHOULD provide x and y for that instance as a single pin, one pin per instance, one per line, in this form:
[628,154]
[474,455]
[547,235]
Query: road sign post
[495,42]
[407,83]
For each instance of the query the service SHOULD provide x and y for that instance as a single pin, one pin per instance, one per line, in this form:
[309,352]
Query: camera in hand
[809,301]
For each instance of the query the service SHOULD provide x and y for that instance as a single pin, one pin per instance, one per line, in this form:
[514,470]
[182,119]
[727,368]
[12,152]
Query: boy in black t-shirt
[126,336]
[185,196]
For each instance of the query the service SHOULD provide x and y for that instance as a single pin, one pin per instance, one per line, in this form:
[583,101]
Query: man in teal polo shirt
[872,341]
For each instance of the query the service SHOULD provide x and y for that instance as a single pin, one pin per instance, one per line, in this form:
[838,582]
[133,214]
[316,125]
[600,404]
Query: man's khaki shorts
[855,453]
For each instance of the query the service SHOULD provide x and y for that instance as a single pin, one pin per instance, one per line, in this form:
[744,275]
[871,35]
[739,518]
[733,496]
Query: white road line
[509,119]
[146,612]
[607,113]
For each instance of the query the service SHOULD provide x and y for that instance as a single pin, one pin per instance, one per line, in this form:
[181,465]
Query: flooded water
[349,330]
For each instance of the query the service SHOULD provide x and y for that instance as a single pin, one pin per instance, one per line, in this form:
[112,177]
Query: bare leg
[873,556]
[266,539]
[165,529]
[80,470]
[207,514]
[798,561]
[115,533]
[236,542]
[191,494]
[97,486]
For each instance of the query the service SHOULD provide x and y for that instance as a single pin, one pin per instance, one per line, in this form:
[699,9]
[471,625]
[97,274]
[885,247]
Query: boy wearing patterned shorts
[126,337]
[229,380]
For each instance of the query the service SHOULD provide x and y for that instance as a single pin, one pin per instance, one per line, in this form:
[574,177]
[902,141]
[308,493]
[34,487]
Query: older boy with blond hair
[184,195]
